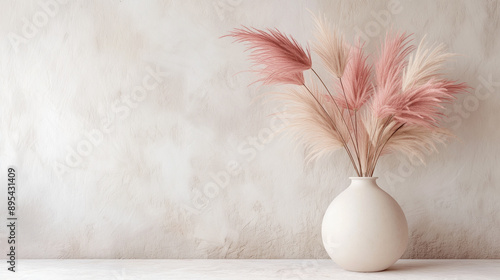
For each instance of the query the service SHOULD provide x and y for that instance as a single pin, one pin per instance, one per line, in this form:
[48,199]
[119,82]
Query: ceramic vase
[364,229]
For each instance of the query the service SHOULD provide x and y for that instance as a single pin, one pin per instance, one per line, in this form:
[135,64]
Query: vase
[364,229]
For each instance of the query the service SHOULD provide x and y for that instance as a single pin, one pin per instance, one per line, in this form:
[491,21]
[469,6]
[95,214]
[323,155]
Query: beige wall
[135,135]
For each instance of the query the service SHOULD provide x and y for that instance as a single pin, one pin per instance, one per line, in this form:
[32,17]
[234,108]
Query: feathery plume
[397,109]
[392,57]
[282,59]
[415,142]
[365,128]
[422,105]
[310,122]
[388,70]
[424,64]
[330,47]
[356,80]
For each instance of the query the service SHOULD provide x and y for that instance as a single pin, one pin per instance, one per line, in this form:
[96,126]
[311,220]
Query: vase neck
[363,181]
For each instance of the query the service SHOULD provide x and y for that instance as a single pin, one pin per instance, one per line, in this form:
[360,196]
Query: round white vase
[364,229]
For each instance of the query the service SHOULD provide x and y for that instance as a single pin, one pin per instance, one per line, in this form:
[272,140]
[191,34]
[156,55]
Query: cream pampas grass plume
[312,120]
[426,63]
[416,142]
[330,47]
[394,105]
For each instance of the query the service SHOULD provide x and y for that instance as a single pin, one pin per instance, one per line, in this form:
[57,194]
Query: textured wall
[136,135]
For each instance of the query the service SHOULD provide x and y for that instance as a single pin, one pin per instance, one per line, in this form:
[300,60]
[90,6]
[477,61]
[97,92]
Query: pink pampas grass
[388,71]
[398,108]
[282,59]
[422,105]
[357,80]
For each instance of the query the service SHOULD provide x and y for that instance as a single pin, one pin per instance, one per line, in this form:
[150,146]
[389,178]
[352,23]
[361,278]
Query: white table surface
[244,269]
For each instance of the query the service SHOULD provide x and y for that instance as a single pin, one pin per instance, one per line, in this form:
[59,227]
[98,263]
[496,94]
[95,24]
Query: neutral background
[135,132]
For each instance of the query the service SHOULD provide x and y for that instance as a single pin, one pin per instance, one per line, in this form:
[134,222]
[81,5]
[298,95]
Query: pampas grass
[357,84]
[426,63]
[330,46]
[280,58]
[314,121]
[394,105]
